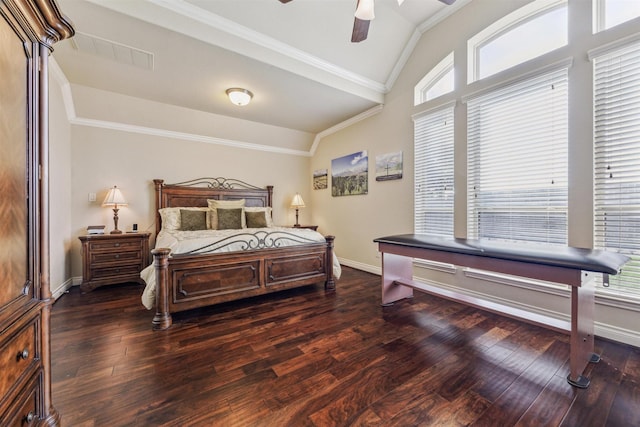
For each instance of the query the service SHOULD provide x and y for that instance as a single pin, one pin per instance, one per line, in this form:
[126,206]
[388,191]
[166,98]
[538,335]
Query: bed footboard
[185,282]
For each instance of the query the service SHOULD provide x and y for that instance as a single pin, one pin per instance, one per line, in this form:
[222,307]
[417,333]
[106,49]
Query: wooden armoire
[28,30]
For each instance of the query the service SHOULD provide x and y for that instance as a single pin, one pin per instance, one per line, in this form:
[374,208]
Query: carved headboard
[195,193]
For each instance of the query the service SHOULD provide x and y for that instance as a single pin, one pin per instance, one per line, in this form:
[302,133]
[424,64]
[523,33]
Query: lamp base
[116,232]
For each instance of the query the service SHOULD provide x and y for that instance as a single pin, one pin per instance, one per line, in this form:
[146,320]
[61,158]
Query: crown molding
[403,59]
[442,15]
[183,136]
[67,98]
[69,106]
[345,124]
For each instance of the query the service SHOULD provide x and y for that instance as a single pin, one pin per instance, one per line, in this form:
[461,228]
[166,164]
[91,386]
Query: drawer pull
[24,354]
[117,256]
[117,245]
[29,417]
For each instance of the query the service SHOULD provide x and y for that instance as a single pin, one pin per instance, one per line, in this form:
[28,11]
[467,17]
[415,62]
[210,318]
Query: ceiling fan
[364,15]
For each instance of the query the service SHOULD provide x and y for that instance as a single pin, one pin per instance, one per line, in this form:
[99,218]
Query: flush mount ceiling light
[239,96]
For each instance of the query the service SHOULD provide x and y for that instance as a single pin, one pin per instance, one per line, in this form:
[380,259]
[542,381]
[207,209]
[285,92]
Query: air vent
[112,51]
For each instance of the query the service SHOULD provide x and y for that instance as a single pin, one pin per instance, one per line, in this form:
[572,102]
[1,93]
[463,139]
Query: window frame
[432,78]
[507,23]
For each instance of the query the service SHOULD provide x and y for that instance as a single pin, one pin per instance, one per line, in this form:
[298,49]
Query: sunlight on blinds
[617,160]
[433,197]
[517,161]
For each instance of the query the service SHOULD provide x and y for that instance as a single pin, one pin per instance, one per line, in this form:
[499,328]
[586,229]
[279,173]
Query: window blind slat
[617,161]
[433,157]
[517,161]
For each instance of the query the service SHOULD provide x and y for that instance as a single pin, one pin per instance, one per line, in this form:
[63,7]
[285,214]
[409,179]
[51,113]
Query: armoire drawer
[25,410]
[17,355]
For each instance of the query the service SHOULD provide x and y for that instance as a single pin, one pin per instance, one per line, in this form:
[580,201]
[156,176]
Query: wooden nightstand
[109,259]
[310,227]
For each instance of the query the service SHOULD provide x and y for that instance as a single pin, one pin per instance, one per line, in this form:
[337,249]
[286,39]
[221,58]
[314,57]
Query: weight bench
[567,265]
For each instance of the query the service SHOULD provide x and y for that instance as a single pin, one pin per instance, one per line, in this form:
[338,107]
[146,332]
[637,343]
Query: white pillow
[267,213]
[171,217]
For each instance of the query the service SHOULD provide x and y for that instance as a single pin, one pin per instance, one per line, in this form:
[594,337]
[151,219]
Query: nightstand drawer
[122,258]
[16,356]
[113,272]
[115,246]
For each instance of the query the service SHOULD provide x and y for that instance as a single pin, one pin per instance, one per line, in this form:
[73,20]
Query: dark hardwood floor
[306,358]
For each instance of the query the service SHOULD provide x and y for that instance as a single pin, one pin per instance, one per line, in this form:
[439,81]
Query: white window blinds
[617,160]
[517,161]
[433,156]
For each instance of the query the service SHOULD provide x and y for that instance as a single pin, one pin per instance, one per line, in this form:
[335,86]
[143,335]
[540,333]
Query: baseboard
[360,266]
[601,329]
[62,288]
[615,333]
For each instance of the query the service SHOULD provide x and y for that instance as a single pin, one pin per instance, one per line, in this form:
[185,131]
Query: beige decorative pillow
[267,211]
[224,204]
[230,219]
[192,220]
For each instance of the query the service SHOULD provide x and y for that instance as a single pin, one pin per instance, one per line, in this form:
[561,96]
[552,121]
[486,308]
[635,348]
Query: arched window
[436,83]
[531,31]
[609,13]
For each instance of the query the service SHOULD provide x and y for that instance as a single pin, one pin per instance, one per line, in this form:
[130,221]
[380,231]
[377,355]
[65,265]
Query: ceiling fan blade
[360,30]
[449,2]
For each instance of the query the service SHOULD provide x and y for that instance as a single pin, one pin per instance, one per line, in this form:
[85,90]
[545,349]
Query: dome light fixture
[239,96]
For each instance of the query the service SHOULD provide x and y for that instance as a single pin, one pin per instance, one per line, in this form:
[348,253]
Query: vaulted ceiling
[296,58]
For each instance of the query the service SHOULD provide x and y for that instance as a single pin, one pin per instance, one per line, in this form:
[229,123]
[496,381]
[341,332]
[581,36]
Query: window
[609,13]
[433,197]
[527,33]
[436,83]
[518,161]
[617,160]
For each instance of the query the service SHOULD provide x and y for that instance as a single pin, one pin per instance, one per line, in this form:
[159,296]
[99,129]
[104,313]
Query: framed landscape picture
[350,175]
[389,166]
[320,179]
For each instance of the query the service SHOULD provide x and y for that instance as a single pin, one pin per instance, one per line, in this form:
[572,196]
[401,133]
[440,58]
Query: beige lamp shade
[114,200]
[297,201]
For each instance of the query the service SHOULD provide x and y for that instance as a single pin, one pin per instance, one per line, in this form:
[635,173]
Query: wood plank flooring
[306,358]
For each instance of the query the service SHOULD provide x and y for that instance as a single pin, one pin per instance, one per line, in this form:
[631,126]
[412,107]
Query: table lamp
[297,203]
[114,200]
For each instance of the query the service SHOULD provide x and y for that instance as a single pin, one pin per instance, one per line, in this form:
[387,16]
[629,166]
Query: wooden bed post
[330,284]
[158,185]
[270,195]
[162,319]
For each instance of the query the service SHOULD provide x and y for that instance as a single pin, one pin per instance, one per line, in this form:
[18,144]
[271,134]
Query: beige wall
[388,208]
[60,190]
[128,142]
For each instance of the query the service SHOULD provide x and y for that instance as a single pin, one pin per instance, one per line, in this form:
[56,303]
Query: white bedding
[209,241]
